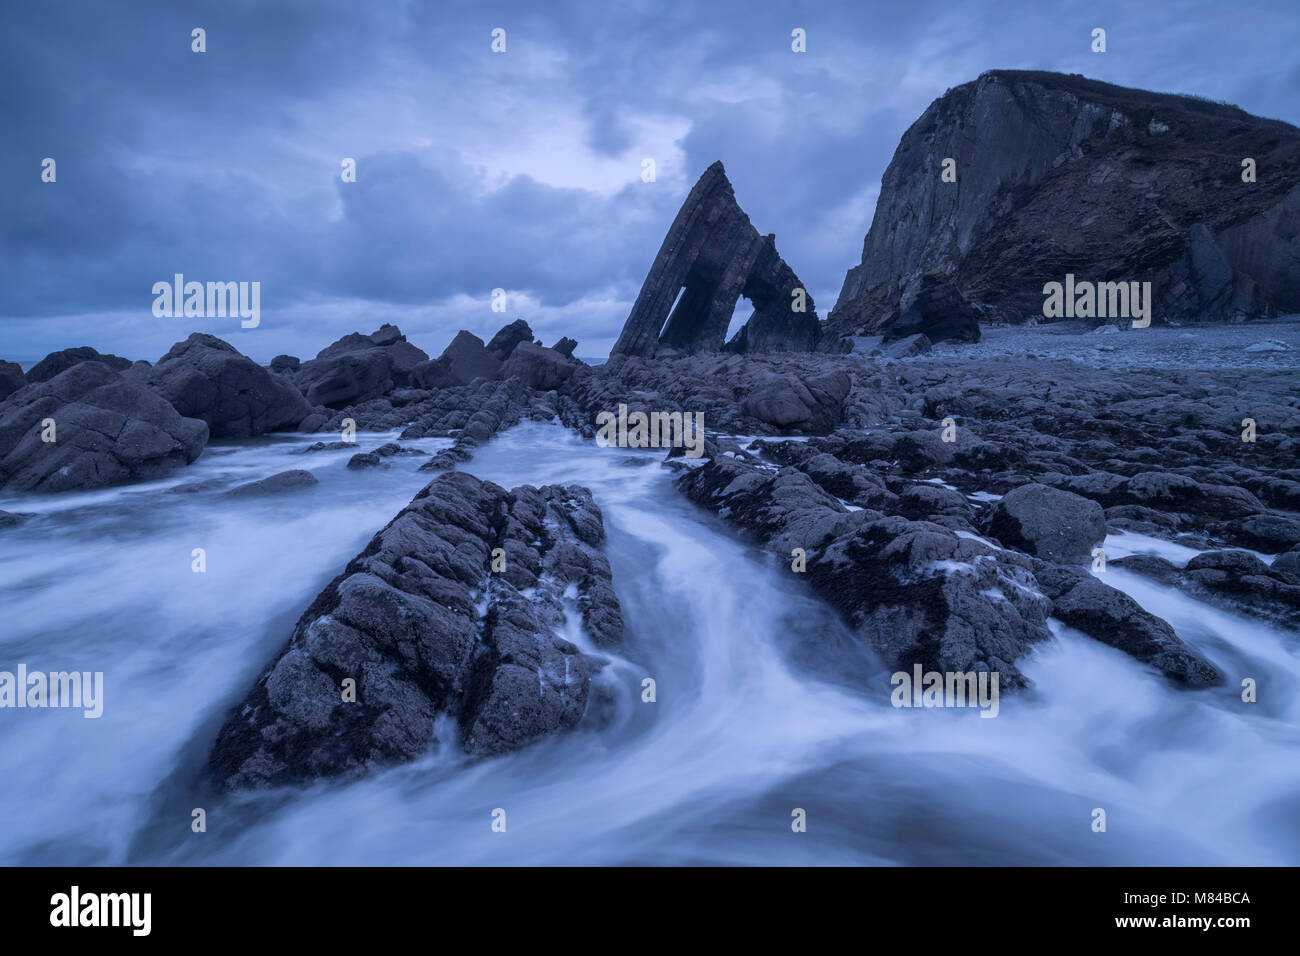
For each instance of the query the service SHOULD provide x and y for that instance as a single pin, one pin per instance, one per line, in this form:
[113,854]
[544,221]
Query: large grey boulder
[1162,491]
[814,403]
[1287,566]
[107,429]
[359,367]
[538,367]
[207,378]
[909,347]
[462,361]
[1054,525]
[504,342]
[467,358]
[11,378]
[64,359]
[424,626]
[1265,532]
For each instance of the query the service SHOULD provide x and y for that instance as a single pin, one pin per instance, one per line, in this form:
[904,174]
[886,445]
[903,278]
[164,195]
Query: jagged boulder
[713,255]
[1236,579]
[64,359]
[814,404]
[915,591]
[933,306]
[1049,523]
[359,367]
[908,347]
[424,626]
[107,429]
[11,378]
[1112,617]
[464,360]
[504,342]
[206,378]
[538,367]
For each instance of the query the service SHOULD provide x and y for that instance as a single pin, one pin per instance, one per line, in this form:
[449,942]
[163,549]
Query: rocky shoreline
[946,510]
[946,483]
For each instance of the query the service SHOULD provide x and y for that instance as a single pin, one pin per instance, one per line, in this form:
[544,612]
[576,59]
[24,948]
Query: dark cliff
[1058,174]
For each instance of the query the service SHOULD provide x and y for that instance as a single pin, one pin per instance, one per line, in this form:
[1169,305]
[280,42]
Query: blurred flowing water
[765,703]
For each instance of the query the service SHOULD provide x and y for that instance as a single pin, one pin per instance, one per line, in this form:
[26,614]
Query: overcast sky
[477,170]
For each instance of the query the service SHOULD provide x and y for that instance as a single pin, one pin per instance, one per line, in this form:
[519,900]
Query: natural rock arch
[713,255]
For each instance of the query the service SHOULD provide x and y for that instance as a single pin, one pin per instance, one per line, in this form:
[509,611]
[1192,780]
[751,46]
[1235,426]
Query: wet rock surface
[283,481]
[925,591]
[1055,525]
[947,510]
[207,378]
[106,428]
[1236,580]
[456,608]
[1110,616]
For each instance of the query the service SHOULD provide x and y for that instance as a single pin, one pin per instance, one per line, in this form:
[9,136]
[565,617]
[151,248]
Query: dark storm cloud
[115,95]
[479,171]
[415,229]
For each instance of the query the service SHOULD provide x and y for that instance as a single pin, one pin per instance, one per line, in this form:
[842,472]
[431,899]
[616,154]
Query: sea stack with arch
[712,256]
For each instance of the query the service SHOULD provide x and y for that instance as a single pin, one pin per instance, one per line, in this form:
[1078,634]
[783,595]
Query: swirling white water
[765,703]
